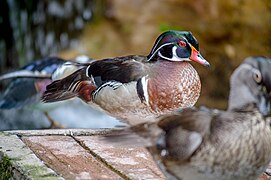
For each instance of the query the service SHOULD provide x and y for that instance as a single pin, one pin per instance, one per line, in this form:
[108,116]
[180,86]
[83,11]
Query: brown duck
[214,144]
[138,88]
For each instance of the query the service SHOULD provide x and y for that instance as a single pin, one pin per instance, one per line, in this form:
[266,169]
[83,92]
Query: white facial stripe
[159,49]
[174,53]
[174,56]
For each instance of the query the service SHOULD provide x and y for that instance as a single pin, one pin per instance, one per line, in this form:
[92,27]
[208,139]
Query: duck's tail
[78,84]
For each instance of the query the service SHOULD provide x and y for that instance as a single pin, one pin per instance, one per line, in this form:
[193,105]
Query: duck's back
[237,146]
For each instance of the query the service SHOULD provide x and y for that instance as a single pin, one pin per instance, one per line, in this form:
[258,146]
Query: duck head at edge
[251,84]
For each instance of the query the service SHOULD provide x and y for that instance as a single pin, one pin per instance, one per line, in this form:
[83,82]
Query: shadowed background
[228,31]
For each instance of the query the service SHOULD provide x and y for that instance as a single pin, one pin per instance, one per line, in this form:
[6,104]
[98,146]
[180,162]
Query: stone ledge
[74,154]
[24,163]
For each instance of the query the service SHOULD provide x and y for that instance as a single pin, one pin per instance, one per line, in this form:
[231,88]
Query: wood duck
[214,144]
[32,80]
[138,88]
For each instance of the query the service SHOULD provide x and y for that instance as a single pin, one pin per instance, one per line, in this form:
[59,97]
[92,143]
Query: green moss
[5,168]
[39,172]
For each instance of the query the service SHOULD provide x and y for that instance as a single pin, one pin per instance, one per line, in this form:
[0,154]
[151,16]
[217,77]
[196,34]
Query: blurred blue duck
[29,83]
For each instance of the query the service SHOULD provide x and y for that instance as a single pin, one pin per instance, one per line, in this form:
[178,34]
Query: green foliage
[5,168]
[166,27]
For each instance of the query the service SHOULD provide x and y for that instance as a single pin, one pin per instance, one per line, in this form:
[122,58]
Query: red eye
[182,44]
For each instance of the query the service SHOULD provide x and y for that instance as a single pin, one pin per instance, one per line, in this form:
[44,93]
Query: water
[75,114]
[34,29]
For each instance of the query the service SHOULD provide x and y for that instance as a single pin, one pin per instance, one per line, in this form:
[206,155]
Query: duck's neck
[171,69]
[238,100]
[240,96]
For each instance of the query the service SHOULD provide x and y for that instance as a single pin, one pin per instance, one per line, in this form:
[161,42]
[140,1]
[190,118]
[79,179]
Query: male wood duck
[29,83]
[214,144]
[138,88]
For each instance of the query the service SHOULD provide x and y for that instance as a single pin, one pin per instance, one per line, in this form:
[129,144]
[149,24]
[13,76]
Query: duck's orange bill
[196,56]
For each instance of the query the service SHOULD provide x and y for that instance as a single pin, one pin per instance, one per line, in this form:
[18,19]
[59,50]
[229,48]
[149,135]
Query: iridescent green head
[177,46]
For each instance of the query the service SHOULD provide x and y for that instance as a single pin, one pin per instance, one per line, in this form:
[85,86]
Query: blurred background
[228,31]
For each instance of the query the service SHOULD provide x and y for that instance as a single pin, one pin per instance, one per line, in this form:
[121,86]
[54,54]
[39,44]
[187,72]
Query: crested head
[177,46]
[251,84]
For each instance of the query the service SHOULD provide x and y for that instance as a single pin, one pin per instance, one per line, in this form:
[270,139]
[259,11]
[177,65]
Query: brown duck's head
[251,83]
[177,46]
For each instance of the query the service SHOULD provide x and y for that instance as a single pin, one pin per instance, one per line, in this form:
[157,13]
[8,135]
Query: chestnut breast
[175,85]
